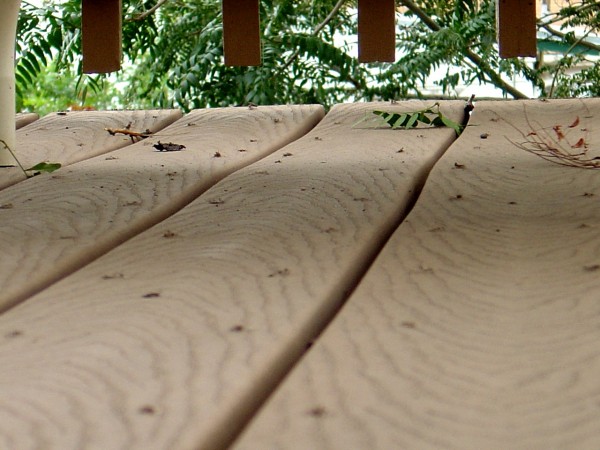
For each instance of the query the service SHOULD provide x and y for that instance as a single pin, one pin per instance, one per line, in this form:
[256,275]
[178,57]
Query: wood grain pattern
[23,119]
[68,137]
[176,336]
[477,327]
[52,225]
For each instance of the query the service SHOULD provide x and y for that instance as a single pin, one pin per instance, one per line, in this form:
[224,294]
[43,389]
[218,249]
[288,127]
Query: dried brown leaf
[559,134]
[579,144]
[575,123]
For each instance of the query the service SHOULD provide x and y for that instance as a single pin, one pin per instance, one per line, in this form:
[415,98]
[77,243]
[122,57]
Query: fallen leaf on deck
[44,167]
[169,147]
[575,123]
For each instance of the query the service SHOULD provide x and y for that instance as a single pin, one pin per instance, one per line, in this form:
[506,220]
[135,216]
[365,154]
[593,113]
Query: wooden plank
[516,23]
[101,32]
[176,336]
[477,327]
[23,119]
[52,225]
[376,30]
[241,32]
[68,137]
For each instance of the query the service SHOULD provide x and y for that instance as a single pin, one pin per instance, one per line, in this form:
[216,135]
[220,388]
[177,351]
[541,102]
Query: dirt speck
[317,411]
[281,272]
[113,276]
[13,334]
[147,410]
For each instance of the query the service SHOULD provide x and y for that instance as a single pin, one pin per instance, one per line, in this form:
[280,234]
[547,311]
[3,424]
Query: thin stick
[542,142]
[316,31]
[15,157]
[145,14]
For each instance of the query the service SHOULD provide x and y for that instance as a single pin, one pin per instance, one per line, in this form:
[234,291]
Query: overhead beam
[516,25]
[241,33]
[376,30]
[101,35]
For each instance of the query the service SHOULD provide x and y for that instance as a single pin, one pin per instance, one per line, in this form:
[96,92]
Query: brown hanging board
[516,21]
[241,35]
[101,35]
[376,30]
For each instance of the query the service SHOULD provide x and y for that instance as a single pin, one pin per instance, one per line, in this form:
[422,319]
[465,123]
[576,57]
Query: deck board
[68,137]
[172,340]
[53,224]
[477,327]
[24,119]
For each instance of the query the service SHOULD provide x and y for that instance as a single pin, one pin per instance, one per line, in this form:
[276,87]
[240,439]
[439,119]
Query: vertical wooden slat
[101,35]
[241,35]
[516,28]
[376,30]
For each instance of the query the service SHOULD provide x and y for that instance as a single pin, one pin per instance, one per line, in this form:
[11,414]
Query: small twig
[315,32]
[555,146]
[555,77]
[557,17]
[15,157]
[580,41]
[145,14]
[127,132]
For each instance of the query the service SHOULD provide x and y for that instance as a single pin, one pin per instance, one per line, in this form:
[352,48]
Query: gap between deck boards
[307,120]
[477,326]
[229,437]
[234,433]
[232,421]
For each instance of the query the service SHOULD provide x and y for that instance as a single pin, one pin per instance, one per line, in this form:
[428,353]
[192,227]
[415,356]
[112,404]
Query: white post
[9,14]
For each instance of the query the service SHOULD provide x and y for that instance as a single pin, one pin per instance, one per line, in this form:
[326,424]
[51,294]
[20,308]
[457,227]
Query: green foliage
[174,58]
[44,167]
[49,57]
[57,90]
[430,117]
[36,169]
[192,49]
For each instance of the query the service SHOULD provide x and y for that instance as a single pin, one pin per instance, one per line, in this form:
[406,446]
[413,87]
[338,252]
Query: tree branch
[557,17]
[580,41]
[316,31]
[145,14]
[493,76]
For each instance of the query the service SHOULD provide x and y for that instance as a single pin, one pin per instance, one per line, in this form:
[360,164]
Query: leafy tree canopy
[174,58]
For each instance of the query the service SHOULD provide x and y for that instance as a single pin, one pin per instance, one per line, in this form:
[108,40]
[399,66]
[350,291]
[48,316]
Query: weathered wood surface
[23,119]
[53,224]
[68,137]
[477,326]
[173,339]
